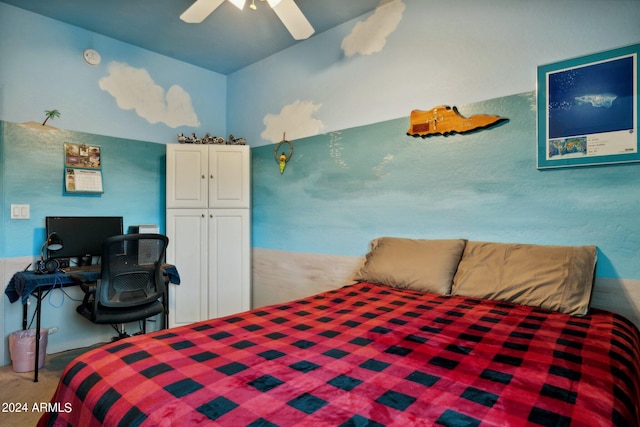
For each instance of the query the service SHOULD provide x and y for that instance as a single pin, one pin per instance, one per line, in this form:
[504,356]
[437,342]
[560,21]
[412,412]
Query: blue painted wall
[416,54]
[358,181]
[133,179]
[341,190]
[32,164]
[41,68]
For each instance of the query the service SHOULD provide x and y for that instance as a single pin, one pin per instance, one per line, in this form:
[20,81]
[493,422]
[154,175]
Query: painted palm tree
[50,114]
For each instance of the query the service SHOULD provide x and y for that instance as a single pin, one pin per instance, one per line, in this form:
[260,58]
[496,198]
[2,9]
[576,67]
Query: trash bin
[22,348]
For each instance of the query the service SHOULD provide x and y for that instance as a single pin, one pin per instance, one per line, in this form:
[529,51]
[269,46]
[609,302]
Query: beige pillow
[423,265]
[556,278]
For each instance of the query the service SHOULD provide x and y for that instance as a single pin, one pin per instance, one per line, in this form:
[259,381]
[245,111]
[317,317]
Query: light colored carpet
[20,397]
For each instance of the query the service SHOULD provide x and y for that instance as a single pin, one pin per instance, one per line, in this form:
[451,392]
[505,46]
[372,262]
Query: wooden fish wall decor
[447,120]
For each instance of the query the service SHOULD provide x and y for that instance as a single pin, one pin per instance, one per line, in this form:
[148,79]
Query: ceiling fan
[287,10]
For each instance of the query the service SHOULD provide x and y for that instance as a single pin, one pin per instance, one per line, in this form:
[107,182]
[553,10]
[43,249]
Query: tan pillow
[556,278]
[423,265]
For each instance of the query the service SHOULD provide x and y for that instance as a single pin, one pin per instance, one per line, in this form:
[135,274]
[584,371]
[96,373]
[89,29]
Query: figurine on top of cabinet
[209,139]
[236,141]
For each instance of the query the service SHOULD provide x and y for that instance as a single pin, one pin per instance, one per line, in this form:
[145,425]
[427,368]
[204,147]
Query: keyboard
[83,268]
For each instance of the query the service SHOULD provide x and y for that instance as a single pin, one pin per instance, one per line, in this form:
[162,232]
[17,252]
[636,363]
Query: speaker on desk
[50,266]
[147,251]
[53,243]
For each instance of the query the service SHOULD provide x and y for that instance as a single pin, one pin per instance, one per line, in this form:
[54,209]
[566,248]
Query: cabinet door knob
[211,176]
[203,177]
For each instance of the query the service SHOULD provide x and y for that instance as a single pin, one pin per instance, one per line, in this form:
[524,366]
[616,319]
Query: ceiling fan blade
[199,10]
[293,18]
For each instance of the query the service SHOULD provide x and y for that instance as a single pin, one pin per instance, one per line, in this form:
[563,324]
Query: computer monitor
[82,236]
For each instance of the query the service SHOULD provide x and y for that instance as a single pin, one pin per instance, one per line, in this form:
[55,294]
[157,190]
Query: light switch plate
[20,211]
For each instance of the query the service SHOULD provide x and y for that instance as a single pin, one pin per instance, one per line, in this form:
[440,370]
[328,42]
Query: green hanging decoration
[283,158]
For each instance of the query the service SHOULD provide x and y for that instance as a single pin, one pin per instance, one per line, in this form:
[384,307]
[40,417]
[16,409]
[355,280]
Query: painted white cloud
[134,89]
[295,119]
[370,36]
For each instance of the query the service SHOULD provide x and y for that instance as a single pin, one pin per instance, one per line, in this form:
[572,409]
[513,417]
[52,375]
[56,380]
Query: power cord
[56,282]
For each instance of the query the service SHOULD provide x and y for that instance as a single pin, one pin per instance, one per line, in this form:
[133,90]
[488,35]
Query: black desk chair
[132,284]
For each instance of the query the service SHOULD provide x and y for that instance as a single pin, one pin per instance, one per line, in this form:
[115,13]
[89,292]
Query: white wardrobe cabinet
[208,176]
[208,224]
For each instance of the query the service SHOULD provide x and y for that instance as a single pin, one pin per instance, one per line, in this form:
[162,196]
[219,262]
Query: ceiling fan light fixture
[199,10]
[292,18]
[287,11]
[238,3]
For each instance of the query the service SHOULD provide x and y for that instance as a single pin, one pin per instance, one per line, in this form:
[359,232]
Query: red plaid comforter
[364,355]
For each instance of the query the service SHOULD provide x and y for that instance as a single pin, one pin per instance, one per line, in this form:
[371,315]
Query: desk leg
[37,355]
[25,314]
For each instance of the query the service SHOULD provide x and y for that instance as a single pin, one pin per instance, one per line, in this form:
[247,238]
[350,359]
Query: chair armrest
[79,278]
[88,287]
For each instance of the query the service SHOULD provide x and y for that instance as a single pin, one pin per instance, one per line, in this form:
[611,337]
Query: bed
[411,342]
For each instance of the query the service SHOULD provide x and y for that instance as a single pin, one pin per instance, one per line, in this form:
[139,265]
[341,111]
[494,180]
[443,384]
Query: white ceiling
[228,40]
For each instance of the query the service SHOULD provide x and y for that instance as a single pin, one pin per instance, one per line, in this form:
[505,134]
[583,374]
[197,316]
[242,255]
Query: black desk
[26,283]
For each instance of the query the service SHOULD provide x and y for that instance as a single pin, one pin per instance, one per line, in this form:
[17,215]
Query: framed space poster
[588,110]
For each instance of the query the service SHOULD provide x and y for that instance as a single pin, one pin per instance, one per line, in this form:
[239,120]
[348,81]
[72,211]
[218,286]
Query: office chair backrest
[131,272]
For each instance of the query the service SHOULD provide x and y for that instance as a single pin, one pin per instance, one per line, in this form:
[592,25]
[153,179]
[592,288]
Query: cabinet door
[187,171]
[187,250]
[229,176]
[229,261]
